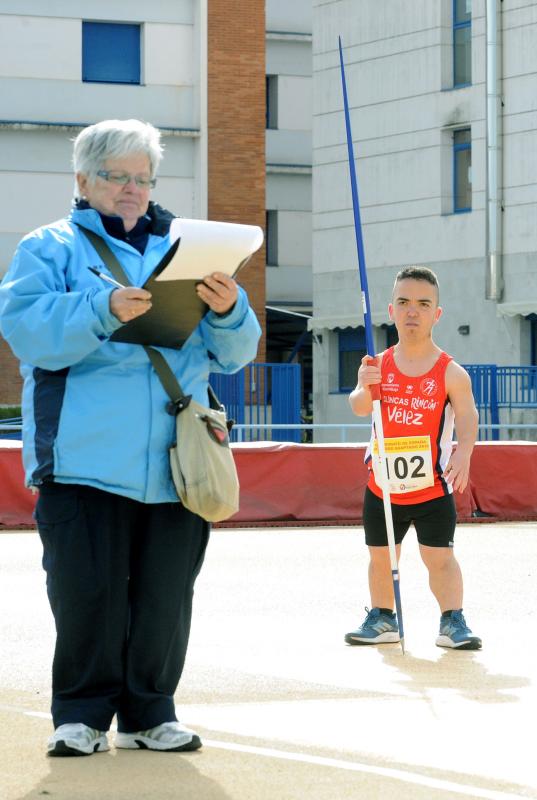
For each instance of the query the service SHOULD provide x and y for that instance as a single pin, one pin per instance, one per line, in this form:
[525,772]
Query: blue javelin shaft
[357,220]
[366,304]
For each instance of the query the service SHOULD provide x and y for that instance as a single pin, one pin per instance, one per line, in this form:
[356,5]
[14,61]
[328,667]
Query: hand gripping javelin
[374,389]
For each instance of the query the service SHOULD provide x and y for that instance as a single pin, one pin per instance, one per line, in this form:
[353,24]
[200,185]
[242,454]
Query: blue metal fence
[517,387]
[11,428]
[494,388]
[230,392]
[484,379]
[263,395]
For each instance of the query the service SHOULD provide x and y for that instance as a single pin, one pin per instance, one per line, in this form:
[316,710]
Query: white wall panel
[180,11]
[35,199]
[294,103]
[177,195]
[289,17]
[288,284]
[168,55]
[37,47]
[36,150]
[288,58]
[83,103]
[294,238]
[288,192]
[288,147]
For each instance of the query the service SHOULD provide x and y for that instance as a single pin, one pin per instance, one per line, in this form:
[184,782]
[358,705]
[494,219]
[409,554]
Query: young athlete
[424,393]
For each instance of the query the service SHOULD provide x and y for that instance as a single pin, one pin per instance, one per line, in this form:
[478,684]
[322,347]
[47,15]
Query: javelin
[374,389]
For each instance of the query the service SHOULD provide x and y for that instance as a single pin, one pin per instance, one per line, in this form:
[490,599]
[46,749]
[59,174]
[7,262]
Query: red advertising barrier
[16,502]
[308,484]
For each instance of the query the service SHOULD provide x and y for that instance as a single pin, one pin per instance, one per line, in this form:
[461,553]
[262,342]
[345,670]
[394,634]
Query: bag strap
[106,255]
[178,400]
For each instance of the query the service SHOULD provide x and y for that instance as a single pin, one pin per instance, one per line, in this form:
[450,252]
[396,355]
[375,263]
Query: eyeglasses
[123,178]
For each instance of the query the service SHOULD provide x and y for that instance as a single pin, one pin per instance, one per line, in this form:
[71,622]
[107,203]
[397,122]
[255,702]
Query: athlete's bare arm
[459,389]
[360,397]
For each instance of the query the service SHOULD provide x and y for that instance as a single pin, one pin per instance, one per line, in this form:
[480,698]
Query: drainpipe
[494,284]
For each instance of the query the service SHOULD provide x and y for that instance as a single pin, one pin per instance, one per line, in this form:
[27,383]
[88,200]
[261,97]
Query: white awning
[347,321]
[522,307]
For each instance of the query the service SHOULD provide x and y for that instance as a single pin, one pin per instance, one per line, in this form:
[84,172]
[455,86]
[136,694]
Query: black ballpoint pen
[106,278]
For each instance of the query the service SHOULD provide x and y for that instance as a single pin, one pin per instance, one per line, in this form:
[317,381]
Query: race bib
[409,461]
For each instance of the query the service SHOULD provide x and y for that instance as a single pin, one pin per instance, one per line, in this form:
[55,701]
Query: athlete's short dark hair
[418,274]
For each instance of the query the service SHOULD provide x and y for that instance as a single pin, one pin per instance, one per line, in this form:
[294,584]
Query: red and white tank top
[417,420]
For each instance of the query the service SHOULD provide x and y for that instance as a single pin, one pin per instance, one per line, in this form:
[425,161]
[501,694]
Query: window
[462,42]
[462,171]
[272,101]
[272,238]
[352,349]
[533,338]
[110,52]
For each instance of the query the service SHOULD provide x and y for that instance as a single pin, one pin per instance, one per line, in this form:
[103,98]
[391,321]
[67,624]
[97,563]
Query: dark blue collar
[156,221]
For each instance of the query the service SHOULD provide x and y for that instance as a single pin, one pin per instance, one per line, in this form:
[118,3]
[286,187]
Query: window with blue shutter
[110,52]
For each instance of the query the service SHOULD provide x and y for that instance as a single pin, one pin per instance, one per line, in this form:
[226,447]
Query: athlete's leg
[380,577]
[376,537]
[445,576]
[435,523]
[380,624]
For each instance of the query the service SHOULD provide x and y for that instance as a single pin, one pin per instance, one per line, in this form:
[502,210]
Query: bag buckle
[174,407]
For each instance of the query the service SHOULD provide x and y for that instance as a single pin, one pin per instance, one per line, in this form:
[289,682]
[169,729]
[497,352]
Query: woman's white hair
[115,138]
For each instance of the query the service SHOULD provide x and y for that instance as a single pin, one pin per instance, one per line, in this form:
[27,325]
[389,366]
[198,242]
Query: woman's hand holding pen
[128,303]
[219,291]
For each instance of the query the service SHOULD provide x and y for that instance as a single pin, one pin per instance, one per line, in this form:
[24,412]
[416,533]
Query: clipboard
[199,247]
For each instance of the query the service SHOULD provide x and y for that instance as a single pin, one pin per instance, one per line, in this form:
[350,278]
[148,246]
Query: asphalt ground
[286,710]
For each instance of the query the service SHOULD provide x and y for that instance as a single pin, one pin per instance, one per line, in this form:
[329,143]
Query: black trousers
[120,581]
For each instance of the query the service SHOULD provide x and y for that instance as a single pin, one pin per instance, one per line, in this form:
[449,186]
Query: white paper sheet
[208,246]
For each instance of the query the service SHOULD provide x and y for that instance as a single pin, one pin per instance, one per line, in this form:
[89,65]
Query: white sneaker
[76,739]
[170,736]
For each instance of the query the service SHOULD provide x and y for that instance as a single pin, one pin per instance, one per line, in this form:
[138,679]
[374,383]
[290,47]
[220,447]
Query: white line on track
[336,763]
[354,766]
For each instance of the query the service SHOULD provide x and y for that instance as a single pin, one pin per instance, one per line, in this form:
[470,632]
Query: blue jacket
[94,410]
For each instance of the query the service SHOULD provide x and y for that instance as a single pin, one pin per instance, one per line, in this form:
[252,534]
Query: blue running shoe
[455,633]
[377,628]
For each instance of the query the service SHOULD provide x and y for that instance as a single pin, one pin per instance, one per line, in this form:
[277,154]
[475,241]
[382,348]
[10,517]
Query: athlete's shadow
[461,671]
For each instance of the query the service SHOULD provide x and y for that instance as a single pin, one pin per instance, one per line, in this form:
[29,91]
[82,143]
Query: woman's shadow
[126,776]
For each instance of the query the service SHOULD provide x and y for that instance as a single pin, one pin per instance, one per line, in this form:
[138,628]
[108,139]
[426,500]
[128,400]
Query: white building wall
[294,17]
[168,55]
[294,95]
[520,149]
[398,71]
[294,228]
[45,103]
[290,195]
[288,152]
[39,46]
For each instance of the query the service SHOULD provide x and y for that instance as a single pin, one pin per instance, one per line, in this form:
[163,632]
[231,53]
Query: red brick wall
[10,379]
[236,128]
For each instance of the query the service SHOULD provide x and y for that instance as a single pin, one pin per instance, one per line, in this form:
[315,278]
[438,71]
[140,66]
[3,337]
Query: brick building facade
[236,128]
[10,379]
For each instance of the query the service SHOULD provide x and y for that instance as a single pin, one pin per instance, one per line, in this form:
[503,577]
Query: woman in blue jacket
[120,551]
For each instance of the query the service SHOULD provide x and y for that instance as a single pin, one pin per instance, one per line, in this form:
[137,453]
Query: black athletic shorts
[434,521]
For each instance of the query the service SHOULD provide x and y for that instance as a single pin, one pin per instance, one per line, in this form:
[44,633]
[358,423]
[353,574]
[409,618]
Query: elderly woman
[120,551]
